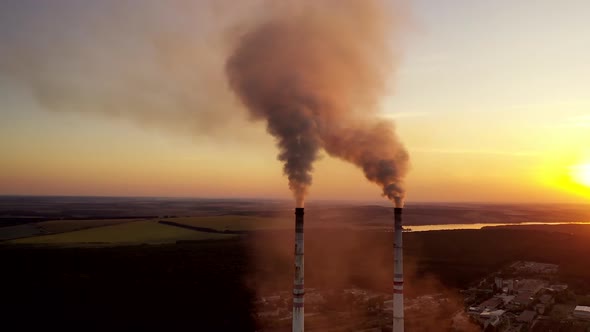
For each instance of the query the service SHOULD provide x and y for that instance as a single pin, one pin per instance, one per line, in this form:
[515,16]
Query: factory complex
[526,296]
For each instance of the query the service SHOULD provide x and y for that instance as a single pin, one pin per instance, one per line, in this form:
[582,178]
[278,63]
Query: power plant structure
[398,276]
[398,273]
[298,287]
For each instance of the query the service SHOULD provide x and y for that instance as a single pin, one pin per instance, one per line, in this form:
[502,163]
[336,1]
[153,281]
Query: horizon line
[378,202]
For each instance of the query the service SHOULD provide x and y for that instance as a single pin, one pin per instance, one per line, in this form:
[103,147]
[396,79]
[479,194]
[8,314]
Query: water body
[425,228]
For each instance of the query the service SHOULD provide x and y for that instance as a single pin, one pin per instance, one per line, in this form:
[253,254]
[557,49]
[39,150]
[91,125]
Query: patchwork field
[234,222]
[61,226]
[54,227]
[138,232]
[18,231]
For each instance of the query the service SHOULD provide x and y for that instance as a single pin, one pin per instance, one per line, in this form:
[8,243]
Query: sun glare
[581,174]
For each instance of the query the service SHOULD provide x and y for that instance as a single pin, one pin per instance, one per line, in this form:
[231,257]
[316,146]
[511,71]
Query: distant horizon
[285,200]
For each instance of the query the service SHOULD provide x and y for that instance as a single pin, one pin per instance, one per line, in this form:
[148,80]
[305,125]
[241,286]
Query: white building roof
[489,313]
[582,308]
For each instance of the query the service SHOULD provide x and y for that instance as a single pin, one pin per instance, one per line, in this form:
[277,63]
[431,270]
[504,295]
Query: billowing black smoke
[315,72]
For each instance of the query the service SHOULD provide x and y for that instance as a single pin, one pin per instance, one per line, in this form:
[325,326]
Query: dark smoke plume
[315,71]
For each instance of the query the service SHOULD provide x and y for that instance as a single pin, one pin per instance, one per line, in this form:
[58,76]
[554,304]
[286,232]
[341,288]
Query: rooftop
[546,298]
[491,303]
[582,308]
[523,298]
[532,285]
[526,316]
[488,313]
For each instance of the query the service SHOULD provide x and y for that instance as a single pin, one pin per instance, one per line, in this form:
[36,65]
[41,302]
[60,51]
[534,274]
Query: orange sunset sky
[491,99]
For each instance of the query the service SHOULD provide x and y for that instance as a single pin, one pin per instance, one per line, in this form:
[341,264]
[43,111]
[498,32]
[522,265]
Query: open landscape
[295,165]
[166,260]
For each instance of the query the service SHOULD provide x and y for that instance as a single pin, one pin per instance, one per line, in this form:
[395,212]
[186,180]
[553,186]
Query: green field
[60,226]
[138,232]
[234,222]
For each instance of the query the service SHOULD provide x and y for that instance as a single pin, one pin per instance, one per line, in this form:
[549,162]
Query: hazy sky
[491,98]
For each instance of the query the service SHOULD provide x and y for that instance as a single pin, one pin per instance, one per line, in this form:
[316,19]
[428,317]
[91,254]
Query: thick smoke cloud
[315,71]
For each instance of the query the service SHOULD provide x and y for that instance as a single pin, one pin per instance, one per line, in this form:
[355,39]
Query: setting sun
[581,174]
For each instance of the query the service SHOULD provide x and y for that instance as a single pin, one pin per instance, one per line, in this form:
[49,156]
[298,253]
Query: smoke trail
[315,70]
[158,64]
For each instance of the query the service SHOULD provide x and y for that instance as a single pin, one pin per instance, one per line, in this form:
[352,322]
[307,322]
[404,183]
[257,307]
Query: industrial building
[515,299]
[582,312]
[526,317]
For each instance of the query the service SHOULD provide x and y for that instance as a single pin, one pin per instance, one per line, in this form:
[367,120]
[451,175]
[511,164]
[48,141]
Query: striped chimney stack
[298,288]
[398,273]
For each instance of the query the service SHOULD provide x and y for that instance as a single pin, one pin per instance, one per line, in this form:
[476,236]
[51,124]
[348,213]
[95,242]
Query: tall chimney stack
[398,273]
[298,288]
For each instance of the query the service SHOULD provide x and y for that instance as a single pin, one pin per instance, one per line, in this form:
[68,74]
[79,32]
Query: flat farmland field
[138,232]
[61,226]
[234,222]
[19,231]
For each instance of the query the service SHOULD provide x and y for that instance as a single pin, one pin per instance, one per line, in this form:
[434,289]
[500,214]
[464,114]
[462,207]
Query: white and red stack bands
[298,287]
[398,274]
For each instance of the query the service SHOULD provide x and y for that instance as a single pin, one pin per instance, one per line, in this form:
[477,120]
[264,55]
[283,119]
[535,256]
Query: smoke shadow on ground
[340,259]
